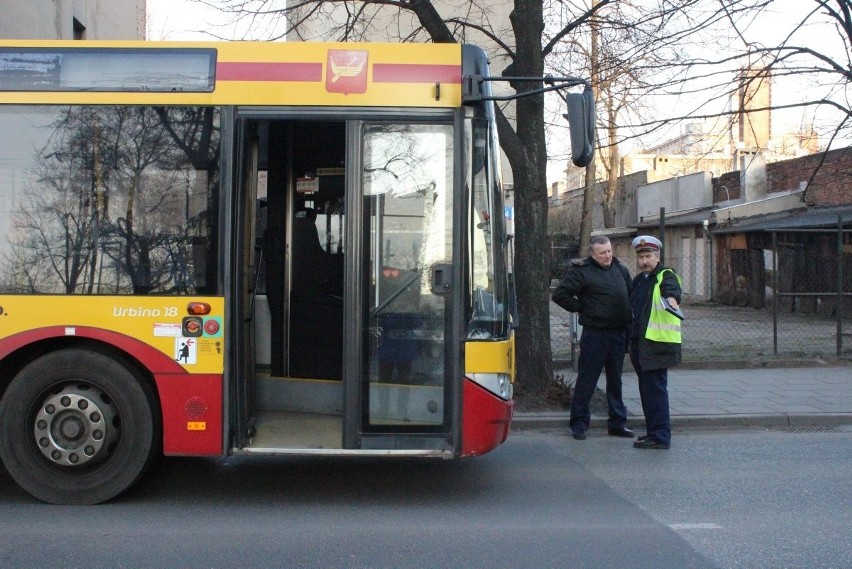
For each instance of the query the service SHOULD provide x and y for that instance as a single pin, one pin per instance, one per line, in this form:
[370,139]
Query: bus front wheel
[77,427]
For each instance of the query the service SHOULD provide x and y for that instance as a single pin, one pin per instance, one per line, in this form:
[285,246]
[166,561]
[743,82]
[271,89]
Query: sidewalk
[811,396]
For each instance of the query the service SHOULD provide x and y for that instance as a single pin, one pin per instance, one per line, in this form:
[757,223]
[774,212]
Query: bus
[273,248]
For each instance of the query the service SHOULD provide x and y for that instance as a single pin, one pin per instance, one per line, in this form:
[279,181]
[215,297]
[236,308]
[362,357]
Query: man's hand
[672,302]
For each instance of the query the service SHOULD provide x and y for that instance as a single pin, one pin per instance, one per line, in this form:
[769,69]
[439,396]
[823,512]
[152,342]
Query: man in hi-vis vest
[654,338]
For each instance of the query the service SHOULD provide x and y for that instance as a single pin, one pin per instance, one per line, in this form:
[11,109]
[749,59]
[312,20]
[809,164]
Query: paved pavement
[793,396]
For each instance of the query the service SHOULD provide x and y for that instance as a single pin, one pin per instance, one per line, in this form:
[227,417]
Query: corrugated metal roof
[612,232]
[816,218]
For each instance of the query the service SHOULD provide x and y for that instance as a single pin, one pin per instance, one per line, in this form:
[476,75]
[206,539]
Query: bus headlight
[500,384]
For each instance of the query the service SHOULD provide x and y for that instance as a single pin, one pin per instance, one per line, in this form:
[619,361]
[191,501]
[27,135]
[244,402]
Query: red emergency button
[211,327]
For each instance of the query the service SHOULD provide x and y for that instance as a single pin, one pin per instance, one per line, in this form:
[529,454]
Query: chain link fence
[801,314]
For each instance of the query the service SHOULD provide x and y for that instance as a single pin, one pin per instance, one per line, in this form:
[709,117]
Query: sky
[183,20]
[188,20]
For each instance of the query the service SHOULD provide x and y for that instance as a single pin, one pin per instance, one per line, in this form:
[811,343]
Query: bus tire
[77,427]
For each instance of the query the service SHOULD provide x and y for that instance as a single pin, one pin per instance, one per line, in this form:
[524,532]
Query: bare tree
[522,49]
[815,51]
[707,46]
[683,54]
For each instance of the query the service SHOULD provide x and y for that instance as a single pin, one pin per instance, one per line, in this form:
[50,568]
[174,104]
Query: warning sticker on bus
[167,329]
[186,351]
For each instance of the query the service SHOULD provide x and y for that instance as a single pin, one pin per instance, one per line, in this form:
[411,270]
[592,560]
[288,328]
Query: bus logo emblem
[346,71]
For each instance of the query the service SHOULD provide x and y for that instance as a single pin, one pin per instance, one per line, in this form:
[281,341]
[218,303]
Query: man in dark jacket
[598,288]
[654,338]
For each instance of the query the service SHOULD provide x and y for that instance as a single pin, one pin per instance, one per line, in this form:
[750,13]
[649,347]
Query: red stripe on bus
[153,359]
[256,71]
[415,73]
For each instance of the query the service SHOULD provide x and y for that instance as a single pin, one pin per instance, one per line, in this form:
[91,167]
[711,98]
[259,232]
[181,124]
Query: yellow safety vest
[663,326]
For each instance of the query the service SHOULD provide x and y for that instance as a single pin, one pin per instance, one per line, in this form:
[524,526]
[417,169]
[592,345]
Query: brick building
[789,241]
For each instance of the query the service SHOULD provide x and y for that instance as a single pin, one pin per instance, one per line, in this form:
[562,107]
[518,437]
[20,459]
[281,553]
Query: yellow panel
[408,80]
[153,320]
[490,357]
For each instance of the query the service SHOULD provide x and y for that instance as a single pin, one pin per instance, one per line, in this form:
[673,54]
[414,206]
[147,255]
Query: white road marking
[695,526]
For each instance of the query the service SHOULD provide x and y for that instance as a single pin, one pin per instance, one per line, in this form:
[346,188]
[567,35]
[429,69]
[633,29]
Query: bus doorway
[353,280]
[292,391]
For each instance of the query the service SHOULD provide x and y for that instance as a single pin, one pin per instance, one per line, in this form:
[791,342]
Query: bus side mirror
[581,123]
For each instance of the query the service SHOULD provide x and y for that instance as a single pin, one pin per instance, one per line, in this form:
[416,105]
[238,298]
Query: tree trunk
[588,208]
[529,166]
[613,170]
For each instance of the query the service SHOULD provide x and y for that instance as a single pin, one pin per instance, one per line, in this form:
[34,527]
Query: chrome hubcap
[76,425]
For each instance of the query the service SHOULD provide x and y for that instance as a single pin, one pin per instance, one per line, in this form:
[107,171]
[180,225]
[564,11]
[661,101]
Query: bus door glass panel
[489,318]
[407,180]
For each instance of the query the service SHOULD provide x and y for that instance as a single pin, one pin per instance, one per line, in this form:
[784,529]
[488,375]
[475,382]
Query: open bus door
[244,286]
[347,342]
[410,379]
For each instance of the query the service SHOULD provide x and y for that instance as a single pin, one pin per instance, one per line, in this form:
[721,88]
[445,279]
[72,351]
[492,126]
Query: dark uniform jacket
[598,294]
[652,355]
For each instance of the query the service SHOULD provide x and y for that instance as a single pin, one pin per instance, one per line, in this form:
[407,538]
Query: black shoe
[623,432]
[649,443]
[642,438]
[579,436]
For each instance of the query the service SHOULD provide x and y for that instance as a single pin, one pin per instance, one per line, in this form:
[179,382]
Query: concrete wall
[753,165]
[675,194]
[661,167]
[54,19]
[569,206]
[775,203]
[627,200]
[831,185]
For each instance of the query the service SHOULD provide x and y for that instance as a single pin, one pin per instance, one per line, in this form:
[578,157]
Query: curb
[560,420]
[567,366]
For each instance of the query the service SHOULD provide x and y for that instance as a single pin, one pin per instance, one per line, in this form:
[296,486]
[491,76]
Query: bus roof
[230,73]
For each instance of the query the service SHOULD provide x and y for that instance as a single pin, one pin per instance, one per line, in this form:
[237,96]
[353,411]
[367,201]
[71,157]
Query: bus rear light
[198,308]
[500,384]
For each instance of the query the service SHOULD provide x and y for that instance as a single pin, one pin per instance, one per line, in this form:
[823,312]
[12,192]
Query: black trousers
[653,390]
[599,350]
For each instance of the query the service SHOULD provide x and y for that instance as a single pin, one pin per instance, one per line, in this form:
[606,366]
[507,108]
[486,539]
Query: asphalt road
[716,499]
[759,498]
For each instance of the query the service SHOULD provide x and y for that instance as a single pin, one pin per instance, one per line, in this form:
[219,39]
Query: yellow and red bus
[273,248]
